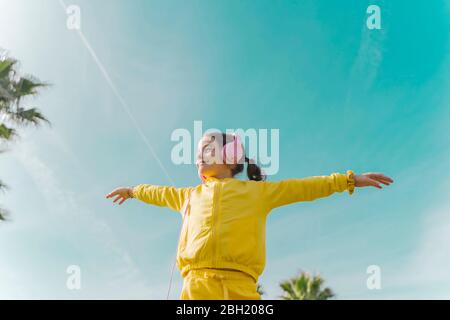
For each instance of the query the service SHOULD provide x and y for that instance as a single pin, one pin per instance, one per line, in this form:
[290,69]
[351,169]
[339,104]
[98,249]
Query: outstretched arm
[163,196]
[288,191]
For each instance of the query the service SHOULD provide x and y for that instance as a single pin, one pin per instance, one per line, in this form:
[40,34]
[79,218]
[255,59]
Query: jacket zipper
[213,229]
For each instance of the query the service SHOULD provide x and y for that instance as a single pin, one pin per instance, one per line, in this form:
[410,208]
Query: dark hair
[253,170]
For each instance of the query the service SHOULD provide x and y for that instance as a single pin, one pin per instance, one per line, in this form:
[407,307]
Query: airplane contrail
[119,97]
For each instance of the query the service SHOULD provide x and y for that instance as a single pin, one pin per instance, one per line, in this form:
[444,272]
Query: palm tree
[13,89]
[305,287]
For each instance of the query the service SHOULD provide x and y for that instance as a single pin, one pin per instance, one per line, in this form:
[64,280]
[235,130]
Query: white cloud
[429,264]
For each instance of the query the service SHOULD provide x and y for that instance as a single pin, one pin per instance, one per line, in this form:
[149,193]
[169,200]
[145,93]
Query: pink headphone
[233,151]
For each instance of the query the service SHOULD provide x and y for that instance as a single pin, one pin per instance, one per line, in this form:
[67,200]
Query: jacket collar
[210,179]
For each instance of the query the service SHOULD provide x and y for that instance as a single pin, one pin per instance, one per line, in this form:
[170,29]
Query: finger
[375,184]
[383,181]
[117,198]
[381,176]
[111,194]
[123,200]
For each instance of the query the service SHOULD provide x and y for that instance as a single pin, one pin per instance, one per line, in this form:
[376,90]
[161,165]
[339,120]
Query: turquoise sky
[342,96]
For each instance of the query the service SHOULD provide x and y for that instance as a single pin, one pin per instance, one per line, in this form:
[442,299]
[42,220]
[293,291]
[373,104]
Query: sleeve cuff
[133,192]
[350,182]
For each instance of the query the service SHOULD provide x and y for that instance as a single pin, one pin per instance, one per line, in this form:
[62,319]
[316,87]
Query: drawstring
[179,239]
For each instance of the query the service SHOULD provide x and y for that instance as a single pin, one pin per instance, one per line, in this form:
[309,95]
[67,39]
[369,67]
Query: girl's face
[209,159]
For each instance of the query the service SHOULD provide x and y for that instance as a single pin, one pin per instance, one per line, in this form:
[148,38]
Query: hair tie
[250,161]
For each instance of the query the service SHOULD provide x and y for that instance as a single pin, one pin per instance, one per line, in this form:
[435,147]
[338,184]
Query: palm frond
[27,86]
[28,116]
[326,294]
[289,293]
[2,186]
[305,287]
[5,94]
[14,87]
[3,214]
[6,133]
[6,67]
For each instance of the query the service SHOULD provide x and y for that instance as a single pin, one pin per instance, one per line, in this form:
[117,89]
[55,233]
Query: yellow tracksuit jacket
[225,222]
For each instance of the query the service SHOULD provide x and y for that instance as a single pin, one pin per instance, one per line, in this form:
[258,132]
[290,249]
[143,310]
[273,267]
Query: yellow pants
[219,284]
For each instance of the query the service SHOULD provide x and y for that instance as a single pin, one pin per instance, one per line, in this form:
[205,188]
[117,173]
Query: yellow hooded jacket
[225,222]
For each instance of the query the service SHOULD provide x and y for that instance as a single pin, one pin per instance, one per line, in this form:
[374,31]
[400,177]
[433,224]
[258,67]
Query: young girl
[221,251]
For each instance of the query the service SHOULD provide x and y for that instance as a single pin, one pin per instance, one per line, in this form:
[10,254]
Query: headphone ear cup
[239,149]
[233,151]
[227,153]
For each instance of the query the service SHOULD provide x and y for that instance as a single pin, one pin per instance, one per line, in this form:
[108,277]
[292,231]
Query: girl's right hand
[372,179]
[120,193]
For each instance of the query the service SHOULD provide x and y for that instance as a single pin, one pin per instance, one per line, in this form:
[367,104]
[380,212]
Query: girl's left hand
[121,194]
[372,180]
